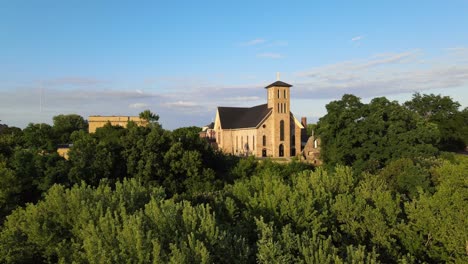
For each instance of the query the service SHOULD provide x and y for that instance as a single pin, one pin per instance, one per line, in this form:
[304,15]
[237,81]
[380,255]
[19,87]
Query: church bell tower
[279,102]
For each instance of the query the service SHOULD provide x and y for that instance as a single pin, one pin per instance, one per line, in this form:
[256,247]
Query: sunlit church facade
[267,130]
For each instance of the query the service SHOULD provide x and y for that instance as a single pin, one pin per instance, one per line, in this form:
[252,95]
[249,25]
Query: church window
[278,93]
[253,142]
[264,140]
[279,108]
[281,130]
[237,143]
[284,93]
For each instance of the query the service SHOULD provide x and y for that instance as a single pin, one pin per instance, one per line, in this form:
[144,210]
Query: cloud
[72,81]
[347,67]
[253,42]
[357,38]
[138,105]
[381,75]
[243,98]
[270,55]
[184,100]
[181,104]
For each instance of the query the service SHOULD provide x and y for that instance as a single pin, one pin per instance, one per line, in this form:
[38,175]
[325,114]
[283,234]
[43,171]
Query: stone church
[267,130]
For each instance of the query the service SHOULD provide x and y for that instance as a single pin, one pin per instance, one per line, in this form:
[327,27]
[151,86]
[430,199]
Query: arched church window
[281,130]
[284,93]
[278,93]
[264,140]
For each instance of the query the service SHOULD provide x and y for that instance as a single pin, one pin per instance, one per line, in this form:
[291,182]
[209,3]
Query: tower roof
[279,84]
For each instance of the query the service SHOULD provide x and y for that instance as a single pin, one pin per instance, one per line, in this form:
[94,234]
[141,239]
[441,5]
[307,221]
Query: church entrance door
[281,150]
[264,153]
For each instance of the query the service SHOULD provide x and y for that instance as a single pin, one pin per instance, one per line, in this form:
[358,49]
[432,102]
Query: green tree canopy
[367,136]
[65,125]
[443,111]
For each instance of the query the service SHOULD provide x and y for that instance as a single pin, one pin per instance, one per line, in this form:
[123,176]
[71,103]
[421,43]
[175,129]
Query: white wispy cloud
[243,98]
[71,81]
[347,67]
[381,75]
[253,42]
[138,105]
[270,55]
[181,104]
[357,38]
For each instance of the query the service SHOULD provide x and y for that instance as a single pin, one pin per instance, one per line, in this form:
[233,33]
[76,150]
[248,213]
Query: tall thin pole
[40,101]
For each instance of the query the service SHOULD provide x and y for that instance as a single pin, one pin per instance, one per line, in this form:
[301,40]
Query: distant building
[95,122]
[311,151]
[63,150]
[208,131]
[209,134]
[267,130]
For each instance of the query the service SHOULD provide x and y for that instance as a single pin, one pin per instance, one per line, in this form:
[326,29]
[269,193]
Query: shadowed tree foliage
[65,125]
[443,111]
[39,137]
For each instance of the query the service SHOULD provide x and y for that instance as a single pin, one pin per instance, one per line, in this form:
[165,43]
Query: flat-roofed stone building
[267,130]
[97,121]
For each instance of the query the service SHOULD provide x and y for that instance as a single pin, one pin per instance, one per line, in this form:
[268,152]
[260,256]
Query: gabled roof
[210,125]
[278,84]
[242,117]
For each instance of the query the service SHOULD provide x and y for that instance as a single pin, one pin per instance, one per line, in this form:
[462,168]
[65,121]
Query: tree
[131,223]
[65,125]
[92,160]
[10,138]
[311,129]
[18,181]
[437,224]
[368,136]
[40,137]
[443,111]
[150,117]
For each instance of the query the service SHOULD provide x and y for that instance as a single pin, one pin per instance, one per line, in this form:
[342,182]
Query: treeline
[177,160]
[388,192]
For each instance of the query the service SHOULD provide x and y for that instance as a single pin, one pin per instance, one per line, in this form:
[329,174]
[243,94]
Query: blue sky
[181,59]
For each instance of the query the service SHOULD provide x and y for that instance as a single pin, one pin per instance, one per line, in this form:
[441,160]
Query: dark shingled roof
[279,84]
[242,117]
[210,125]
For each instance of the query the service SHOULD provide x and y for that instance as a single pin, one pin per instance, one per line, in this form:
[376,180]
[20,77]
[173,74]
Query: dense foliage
[369,136]
[148,195]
